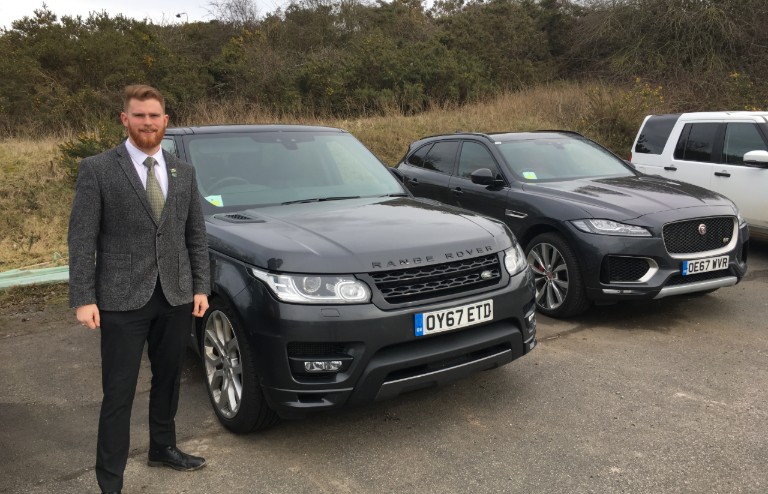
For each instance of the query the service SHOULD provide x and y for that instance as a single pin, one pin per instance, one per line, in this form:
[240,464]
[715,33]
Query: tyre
[560,290]
[230,376]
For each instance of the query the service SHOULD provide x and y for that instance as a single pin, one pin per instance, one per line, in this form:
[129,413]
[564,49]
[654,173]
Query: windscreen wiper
[320,199]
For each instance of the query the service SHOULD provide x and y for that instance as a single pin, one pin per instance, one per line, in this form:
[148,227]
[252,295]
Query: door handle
[722,174]
[413,181]
[671,168]
[457,191]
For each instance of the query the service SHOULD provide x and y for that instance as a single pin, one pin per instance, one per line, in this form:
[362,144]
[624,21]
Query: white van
[726,152]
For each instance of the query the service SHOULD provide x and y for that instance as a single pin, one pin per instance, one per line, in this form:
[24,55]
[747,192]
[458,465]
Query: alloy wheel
[223,364]
[550,275]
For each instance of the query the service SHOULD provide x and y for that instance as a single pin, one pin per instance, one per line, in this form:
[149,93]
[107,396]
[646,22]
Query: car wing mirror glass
[482,176]
[756,158]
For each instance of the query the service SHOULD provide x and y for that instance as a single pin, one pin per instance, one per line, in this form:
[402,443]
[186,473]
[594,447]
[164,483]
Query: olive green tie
[154,192]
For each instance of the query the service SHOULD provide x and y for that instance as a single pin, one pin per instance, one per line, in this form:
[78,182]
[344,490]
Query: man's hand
[88,316]
[200,304]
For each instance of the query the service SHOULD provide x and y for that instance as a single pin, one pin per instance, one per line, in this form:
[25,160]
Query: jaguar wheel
[230,377]
[559,285]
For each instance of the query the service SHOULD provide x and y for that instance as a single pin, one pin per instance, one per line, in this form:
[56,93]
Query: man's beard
[144,140]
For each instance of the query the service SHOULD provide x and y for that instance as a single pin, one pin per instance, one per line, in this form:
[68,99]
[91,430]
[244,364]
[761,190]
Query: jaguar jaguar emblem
[702,229]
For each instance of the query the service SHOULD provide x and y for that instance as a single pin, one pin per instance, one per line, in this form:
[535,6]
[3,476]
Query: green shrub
[87,144]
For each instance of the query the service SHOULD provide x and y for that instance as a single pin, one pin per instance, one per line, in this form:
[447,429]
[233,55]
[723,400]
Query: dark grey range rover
[332,285]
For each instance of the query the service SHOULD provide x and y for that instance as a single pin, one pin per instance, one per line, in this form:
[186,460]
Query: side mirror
[758,159]
[482,176]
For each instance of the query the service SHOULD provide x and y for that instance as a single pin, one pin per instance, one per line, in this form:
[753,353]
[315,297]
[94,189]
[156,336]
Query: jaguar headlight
[514,260]
[609,227]
[314,289]
[741,219]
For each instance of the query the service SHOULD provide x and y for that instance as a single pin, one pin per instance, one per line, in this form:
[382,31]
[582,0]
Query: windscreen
[550,159]
[241,170]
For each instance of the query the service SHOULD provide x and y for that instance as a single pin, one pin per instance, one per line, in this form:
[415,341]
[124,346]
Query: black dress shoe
[170,456]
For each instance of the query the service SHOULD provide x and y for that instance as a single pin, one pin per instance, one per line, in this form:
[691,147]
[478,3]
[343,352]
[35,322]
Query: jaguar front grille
[699,235]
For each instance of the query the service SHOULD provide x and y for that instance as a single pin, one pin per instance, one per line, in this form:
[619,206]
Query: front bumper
[383,356]
[664,280]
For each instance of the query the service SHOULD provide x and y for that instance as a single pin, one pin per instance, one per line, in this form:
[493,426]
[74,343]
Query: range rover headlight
[608,227]
[514,260]
[314,289]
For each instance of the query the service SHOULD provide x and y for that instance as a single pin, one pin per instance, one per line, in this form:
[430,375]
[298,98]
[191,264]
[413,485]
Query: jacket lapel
[170,170]
[130,171]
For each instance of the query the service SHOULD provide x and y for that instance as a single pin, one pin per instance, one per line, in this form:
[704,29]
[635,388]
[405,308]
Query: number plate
[455,318]
[705,265]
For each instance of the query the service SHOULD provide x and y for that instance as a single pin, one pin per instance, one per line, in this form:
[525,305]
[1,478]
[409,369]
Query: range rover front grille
[685,237]
[425,282]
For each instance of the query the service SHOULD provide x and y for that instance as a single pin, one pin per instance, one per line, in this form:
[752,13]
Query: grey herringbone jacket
[116,248]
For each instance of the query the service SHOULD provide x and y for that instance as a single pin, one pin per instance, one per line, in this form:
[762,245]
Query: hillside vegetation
[388,71]
[351,58]
[36,189]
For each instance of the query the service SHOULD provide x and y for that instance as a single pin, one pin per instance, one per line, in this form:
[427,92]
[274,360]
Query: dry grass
[32,298]
[36,195]
[548,107]
[551,107]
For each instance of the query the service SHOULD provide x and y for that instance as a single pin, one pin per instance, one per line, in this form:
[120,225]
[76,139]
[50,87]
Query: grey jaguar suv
[594,229]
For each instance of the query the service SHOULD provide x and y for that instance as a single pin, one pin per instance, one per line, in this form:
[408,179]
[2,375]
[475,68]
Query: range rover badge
[486,275]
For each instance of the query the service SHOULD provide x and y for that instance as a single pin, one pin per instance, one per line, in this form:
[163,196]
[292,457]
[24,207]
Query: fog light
[531,321]
[323,366]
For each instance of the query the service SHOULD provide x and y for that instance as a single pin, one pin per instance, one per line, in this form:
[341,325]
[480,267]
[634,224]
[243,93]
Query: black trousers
[165,329]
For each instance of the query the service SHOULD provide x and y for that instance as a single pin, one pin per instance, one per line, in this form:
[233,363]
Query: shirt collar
[138,156]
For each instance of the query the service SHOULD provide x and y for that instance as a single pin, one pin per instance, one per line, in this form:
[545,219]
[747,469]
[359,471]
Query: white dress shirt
[138,156]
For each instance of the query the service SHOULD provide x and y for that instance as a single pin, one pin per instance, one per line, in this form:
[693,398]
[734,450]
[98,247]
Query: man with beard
[139,270]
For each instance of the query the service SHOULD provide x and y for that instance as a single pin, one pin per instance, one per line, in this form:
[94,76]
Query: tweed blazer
[117,250]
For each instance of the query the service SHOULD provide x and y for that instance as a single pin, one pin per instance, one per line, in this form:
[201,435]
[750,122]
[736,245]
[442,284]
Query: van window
[740,138]
[654,134]
[697,142]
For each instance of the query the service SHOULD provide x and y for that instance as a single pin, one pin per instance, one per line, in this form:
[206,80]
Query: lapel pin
[173,172]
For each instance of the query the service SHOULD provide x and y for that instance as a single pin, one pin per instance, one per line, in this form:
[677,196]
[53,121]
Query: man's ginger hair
[141,92]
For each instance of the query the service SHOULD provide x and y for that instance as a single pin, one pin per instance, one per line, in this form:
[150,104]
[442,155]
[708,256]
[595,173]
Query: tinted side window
[440,157]
[473,157]
[654,134]
[700,142]
[739,139]
[417,158]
